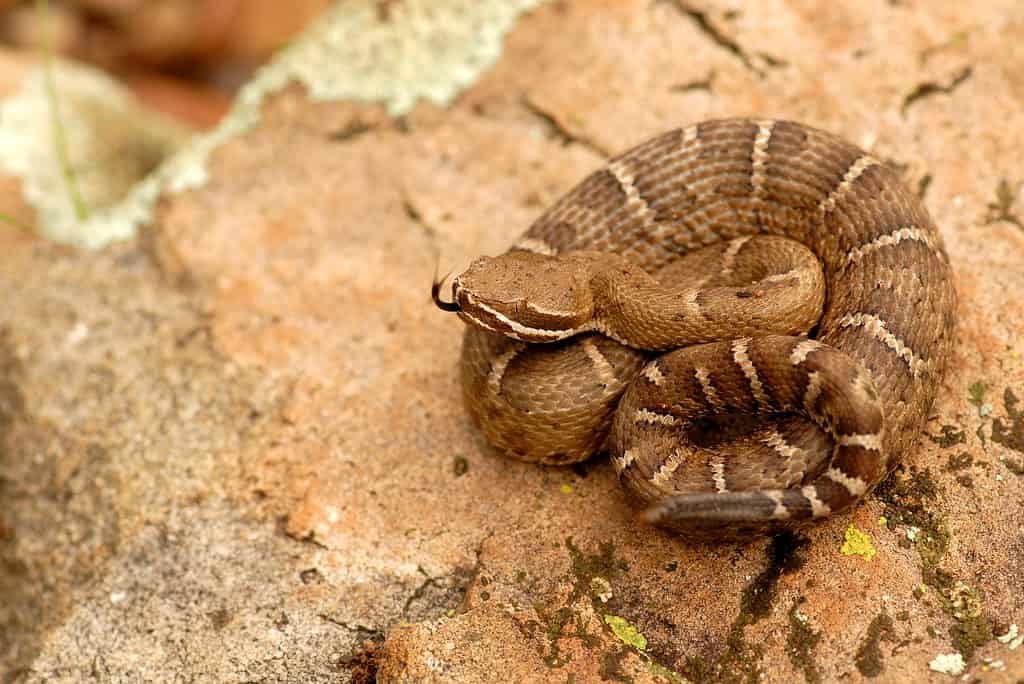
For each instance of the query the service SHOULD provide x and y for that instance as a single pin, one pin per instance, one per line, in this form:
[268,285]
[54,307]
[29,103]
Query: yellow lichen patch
[565,489]
[857,543]
[626,632]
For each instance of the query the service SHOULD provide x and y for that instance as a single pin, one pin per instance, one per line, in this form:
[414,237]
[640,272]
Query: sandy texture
[234,449]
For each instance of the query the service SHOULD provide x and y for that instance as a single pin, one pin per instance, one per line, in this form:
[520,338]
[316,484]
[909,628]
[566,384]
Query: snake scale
[751,316]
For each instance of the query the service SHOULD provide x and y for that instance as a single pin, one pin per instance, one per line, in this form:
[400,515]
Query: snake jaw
[485,316]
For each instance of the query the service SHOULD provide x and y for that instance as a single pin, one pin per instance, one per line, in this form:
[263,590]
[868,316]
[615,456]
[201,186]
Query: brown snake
[797,379]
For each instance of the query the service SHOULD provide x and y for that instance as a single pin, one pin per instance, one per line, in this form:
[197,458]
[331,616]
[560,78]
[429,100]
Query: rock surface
[233,449]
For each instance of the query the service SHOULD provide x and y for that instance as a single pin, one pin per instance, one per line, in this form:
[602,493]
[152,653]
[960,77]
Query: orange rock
[242,436]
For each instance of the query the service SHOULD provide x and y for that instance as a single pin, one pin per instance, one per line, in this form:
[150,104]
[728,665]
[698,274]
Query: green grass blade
[59,137]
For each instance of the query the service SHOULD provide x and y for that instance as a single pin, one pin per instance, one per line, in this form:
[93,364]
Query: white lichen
[601,588]
[428,49]
[990,664]
[112,143]
[1013,638]
[948,663]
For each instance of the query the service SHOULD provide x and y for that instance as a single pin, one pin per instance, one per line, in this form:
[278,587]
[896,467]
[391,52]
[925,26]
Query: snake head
[525,296]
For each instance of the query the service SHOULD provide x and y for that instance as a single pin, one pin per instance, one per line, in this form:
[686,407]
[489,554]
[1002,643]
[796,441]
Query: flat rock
[234,448]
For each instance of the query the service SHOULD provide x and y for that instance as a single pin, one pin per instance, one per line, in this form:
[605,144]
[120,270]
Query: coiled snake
[803,291]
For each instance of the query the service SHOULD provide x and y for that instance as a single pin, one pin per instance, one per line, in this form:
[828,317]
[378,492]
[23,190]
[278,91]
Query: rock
[126,34]
[234,447]
[181,57]
[112,144]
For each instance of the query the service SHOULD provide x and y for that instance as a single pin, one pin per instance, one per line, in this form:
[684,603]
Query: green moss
[15,223]
[740,660]
[801,642]
[562,623]
[557,623]
[756,603]
[905,504]
[970,635]
[976,392]
[739,663]
[757,597]
[949,437]
[696,670]
[976,395]
[958,462]
[972,629]
[613,665]
[932,546]
[869,654]
[924,483]
[593,575]
[586,567]
[662,671]
[1002,208]
[1010,432]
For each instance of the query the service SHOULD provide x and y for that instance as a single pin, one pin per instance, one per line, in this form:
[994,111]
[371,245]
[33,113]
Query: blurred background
[185,58]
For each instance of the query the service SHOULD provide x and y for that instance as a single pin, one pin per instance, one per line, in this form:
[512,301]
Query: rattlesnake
[556,325]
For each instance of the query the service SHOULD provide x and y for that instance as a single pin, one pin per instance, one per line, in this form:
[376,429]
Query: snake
[753,318]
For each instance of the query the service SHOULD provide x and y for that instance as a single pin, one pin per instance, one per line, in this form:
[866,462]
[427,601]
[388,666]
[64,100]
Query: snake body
[763,421]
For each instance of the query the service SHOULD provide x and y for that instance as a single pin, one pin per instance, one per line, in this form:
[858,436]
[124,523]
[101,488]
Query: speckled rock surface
[234,449]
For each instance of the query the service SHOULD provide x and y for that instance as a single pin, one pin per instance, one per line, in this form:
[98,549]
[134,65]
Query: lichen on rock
[113,144]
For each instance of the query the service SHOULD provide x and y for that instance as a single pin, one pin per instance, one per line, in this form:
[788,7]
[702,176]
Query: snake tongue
[435,294]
